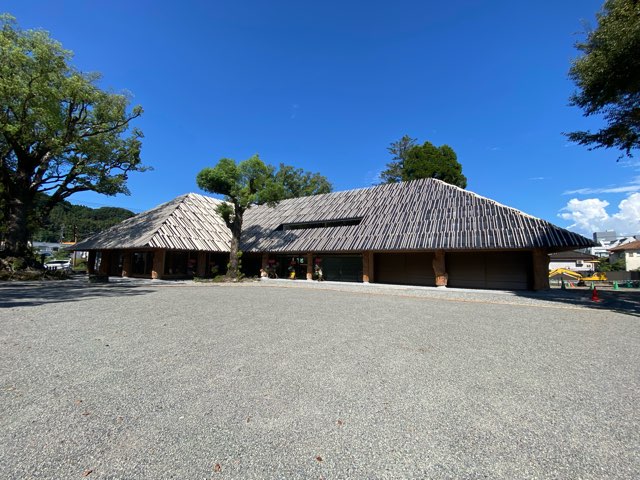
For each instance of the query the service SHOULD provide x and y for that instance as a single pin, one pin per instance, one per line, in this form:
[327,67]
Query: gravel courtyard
[276,380]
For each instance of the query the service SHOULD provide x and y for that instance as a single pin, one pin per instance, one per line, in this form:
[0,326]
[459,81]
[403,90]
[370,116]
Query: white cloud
[590,215]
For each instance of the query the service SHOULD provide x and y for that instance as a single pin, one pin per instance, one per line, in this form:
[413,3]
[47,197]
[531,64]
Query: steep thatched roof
[188,222]
[425,214]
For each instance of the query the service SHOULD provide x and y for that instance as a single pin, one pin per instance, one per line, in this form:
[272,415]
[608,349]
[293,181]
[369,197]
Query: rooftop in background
[635,245]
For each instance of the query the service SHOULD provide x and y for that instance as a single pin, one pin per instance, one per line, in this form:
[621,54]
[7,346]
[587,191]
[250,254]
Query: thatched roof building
[425,214]
[424,232]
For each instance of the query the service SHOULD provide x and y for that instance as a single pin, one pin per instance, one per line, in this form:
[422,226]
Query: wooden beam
[126,263]
[202,264]
[439,268]
[309,266]
[367,267]
[540,259]
[158,264]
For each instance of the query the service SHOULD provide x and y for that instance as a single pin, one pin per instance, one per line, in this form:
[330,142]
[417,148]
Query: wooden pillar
[158,264]
[309,266]
[126,263]
[439,268]
[202,264]
[105,262]
[367,267]
[540,258]
[91,262]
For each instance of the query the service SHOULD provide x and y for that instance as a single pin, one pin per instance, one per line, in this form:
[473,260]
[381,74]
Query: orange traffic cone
[594,295]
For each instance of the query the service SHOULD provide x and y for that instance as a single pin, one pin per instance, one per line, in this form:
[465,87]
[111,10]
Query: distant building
[629,252]
[574,260]
[606,237]
[608,240]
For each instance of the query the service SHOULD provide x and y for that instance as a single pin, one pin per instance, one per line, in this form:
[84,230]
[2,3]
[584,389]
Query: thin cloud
[633,186]
[593,191]
[537,178]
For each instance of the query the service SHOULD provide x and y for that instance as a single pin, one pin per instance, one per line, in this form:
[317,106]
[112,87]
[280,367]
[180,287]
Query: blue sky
[327,86]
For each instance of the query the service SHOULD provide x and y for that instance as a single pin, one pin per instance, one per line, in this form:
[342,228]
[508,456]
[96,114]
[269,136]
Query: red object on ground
[594,295]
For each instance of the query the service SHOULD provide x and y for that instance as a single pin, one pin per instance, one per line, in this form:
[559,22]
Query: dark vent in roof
[341,222]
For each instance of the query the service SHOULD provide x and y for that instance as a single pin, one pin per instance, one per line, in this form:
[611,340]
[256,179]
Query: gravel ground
[151,380]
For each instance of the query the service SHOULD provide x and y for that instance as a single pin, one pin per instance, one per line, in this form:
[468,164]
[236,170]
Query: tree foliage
[608,77]
[606,265]
[298,183]
[395,169]
[59,132]
[412,161]
[252,182]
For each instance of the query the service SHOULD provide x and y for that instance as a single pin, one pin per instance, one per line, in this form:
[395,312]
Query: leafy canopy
[247,183]
[59,132]
[608,77]
[252,182]
[412,161]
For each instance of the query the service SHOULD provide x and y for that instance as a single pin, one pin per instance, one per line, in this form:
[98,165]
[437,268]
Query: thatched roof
[188,222]
[425,214]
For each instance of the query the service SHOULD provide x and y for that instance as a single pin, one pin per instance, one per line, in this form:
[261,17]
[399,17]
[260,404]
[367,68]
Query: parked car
[58,265]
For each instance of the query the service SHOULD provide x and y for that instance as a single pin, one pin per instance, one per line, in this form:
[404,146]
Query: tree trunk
[17,236]
[234,261]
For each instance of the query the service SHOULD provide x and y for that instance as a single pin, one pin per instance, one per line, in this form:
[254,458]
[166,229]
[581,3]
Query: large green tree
[252,182]
[608,78]
[412,161]
[59,132]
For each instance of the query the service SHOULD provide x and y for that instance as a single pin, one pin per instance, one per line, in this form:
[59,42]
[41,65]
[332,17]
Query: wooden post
[126,263]
[202,264]
[367,267]
[158,264]
[309,266]
[540,258]
[91,262]
[439,268]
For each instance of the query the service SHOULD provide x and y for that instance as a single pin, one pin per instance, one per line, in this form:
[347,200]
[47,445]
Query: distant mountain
[68,222]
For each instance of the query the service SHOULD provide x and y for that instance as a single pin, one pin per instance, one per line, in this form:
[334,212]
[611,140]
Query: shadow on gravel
[29,294]
[627,302]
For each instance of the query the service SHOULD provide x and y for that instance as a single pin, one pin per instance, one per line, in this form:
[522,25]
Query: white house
[629,252]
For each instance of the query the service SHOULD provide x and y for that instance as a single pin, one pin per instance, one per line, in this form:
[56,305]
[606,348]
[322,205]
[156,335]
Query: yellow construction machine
[563,272]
